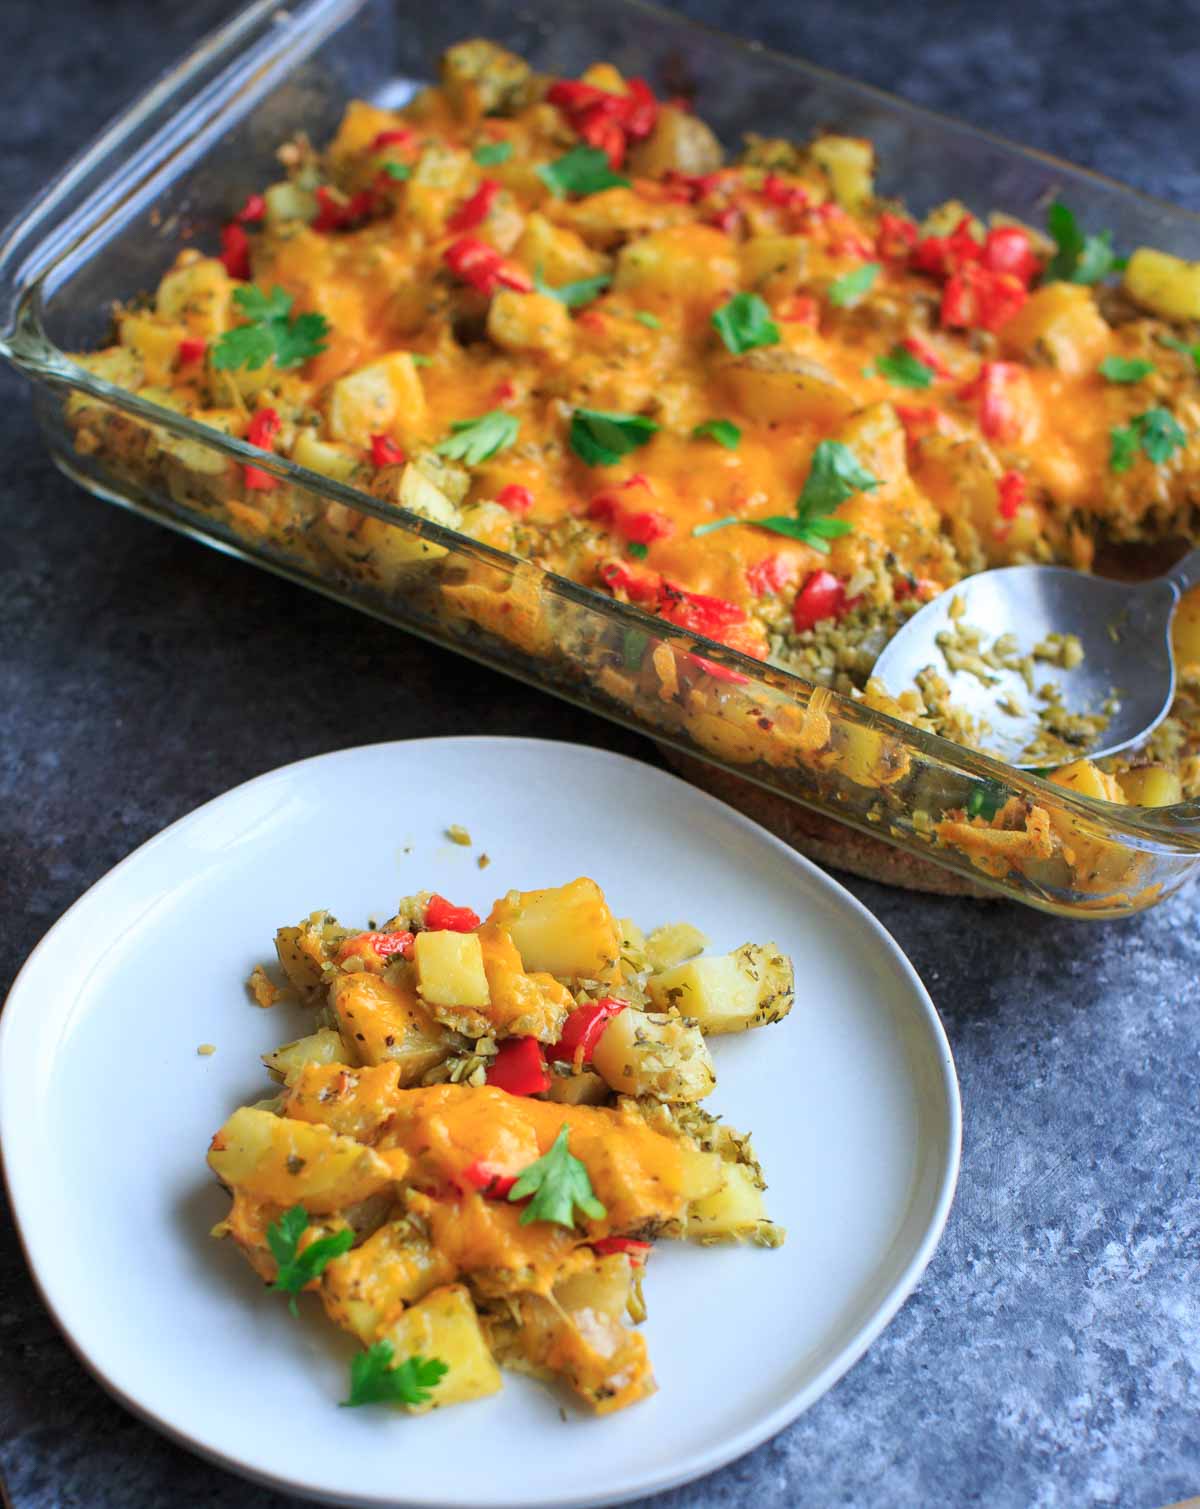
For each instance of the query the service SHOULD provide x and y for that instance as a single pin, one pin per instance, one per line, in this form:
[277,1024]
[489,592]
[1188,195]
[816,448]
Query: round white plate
[106,1111]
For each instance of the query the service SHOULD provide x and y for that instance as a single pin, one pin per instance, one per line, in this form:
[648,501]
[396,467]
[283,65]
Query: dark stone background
[1049,1356]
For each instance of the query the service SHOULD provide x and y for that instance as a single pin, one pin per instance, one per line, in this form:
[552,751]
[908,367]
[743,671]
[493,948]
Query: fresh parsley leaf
[419,359]
[1079,258]
[559,1184]
[851,288]
[398,171]
[744,323]
[1156,432]
[374,1379]
[639,551]
[574,295]
[296,1268]
[986,799]
[903,369]
[1173,343]
[490,154]
[270,331]
[644,317]
[724,523]
[602,438]
[474,440]
[1125,368]
[835,475]
[723,431]
[583,170]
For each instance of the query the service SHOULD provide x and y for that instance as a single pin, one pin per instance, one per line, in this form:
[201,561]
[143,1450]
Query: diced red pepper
[515,498]
[264,425]
[822,596]
[727,220]
[253,210]
[382,946]
[718,672]
[800,309]
[385,451]
[442,917]
[482,267]
[1009,249]
[641,110]
[943,256]
[922,588]
[605,134]
[573,96]
[999,418]
[917,421]
[483,1177]
[690,186]
[640,527]
[475,210]
[896,238]
[235,251]
[1013,490]
[519,1067]
[334,214]
[977,298]
[772,574]
[638,586]
[397,136]
[637,1252]
[584,1028]
[504,392]
[788,196]
[926,355]
[191,349]
[698,612]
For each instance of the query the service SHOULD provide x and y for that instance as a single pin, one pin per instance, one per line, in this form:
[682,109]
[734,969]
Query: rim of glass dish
[1174,828]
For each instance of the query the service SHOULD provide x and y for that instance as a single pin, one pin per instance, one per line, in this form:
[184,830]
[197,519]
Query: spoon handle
[1185,573]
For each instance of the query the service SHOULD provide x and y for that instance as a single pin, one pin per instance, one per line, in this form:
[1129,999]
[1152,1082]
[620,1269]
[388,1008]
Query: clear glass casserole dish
[178,162]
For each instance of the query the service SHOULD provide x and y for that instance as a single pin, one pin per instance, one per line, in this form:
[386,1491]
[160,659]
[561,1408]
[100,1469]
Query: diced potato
[199,293]
[321,1047]
[680,142]
[1061,326]
[286,202]
[566,931]
[602,1287]
[328,457]
[1185,629]
[533,322]
[450,970]
[776,384]
[672,944]
[304,950]
[155,340]
[376,398]
[729,992]
[644,1053]
[382,1022]
[767,257]
[561,253]
[377,552]
[363,1290]
[444,1325]
[1151,786]
[526,1005]
[733,1211]
[603,1361]
[1164,284]
[483,78]
[354,1102]
[296,1162]
[1088,780]
[849,163]
[686,261]
[868,758]
[586,1089]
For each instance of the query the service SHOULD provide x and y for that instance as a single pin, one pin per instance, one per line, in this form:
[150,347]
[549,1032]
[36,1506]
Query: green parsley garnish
[1173,343]
[639,551]
[986,799]
[490,154]
[744,323]
[601,438]
[270,332]
[1125,368]
[723,431]
[835,475]
[1157,433]
[559,1184]
[398,171]
[851,288]
[474,440]
[903,369]
[1079,258]
[297,1268]
[374,1380]
[644,317]
[419,359]
[583,170]
[574,295]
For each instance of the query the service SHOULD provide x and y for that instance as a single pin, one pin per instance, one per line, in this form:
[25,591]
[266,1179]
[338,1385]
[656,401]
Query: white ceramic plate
[106,1111]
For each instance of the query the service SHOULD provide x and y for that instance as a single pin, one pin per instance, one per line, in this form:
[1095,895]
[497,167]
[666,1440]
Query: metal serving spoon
[1125,630]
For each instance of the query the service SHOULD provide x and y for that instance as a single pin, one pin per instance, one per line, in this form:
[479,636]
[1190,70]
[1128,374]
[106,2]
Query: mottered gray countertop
[1049,1356]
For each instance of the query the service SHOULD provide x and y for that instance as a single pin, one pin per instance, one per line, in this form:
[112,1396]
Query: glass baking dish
[184,156]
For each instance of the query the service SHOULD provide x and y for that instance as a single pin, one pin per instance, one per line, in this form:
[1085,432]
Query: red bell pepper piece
[800,309]
[896,238]
[698,612]
[943,256]
[515,498]
[382,945]
[395,137]
[642,587]
[822,596]
[191,349]
[926,354]
[641,109]
[475,210]
[640,527]
[441,916]
[1013,490]
[519,1067]
[978,298]
[385,451]
[637,1252]
[998,419]
[726,220]
[787,196]
[252,211]
[917,421]
[334,214]
[1009,249]
[718,672]
[482,267]
[772,574]
[264,425]
[584,1028]
[605,134]
[483,1177]
[235,251]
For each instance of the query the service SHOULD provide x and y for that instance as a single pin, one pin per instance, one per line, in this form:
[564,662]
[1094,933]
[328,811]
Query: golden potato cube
[849,164]
[450,970]
[672,944]
[535,322]
[766,257]
[728,992]
[562,255]
[645,1053]
[1164,284]
[295,1162]
[1088,780]
[363,1289]
[374,399]
[1060,325]
[328,457]
[1151,786]
[777,384]
[686,261]
[321,1047]
[566,931]
[287,201]
[733,1211]
[679,141]
[199,293]
[444,1325]
[383,1022]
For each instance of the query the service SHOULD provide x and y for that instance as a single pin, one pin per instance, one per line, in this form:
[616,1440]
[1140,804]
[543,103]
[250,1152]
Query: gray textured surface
[1050,1355]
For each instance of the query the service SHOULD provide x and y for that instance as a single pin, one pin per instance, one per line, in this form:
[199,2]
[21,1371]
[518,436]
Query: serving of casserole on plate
[533,362]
